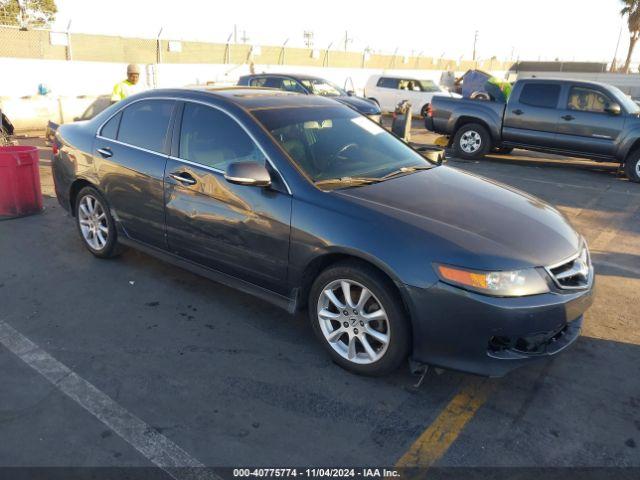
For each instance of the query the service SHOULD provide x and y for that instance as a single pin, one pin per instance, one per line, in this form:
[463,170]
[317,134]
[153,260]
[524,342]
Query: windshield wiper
[404,170]
[348,181]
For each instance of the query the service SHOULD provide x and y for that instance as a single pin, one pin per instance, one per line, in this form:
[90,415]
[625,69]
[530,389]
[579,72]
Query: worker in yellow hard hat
[129,86]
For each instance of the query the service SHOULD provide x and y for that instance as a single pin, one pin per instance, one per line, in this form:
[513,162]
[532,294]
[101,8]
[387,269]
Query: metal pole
[475,41]
[159,47]
[615,54]
[69,56]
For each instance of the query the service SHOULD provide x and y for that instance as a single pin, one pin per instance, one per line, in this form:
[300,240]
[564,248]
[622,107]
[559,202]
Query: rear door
[584,124]
[531,115]
[239,230]
[131,152]
[387,93]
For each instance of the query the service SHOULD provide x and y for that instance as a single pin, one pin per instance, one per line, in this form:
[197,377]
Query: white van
[389,90]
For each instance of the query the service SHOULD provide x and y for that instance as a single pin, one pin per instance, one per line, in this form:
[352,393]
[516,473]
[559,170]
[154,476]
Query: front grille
[574,273]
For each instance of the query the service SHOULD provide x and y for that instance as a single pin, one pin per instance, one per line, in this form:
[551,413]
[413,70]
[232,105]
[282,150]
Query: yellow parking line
[436,440]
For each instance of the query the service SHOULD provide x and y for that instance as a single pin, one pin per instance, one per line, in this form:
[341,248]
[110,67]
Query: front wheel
[632,167]
[471,141]
[95,224]
[358,318]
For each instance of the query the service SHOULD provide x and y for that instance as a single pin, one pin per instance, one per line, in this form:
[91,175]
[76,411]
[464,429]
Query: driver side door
[236,229]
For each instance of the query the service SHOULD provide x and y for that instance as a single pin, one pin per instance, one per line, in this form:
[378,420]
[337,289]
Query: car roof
[298,76]
[250,98]
[573,81]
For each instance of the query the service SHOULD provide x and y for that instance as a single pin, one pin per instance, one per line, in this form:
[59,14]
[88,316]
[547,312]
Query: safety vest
[125,89]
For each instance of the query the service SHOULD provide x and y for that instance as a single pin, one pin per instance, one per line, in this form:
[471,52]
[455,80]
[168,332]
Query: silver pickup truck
[566,117]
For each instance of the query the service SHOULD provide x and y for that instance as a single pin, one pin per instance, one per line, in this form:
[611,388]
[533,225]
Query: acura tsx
[305,203]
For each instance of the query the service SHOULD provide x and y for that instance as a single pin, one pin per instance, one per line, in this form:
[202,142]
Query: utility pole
[615,54]
[235,33]
[244,38]
[347,40]
[475,41]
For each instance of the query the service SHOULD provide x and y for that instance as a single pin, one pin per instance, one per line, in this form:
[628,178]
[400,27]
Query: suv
[387,91]
[309,85]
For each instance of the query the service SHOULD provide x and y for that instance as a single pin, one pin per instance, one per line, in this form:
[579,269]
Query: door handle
[517,111]
[568,118]
[105,152]
[184,178]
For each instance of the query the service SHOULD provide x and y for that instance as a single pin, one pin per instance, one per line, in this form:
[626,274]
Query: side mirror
[433,153]
[248,173]
[351,93]
[613,109]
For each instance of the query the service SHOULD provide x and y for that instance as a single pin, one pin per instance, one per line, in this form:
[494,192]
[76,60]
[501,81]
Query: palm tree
[632,10]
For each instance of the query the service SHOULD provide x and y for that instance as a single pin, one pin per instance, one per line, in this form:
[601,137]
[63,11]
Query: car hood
[362,105]
[470,221]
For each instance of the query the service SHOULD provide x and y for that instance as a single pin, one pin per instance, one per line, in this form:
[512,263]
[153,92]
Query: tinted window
[273,82]
[144,124]
[110,129]
[257,82]
[388,82]
[292,86]
[540,95]
[587,100]
[210,137]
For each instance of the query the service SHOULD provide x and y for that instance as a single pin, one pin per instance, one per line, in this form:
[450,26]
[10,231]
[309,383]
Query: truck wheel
[471,141]
[424,111]
[632,167]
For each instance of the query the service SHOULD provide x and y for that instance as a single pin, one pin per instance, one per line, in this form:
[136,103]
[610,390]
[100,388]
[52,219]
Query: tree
[632,10]
[28,13]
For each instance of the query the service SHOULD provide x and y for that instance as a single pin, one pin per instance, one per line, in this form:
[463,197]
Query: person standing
[129,86]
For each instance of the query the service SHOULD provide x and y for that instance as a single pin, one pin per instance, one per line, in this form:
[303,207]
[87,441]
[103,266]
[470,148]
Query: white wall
[73,85]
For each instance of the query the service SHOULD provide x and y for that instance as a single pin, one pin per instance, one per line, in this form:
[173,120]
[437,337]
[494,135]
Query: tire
[375,101]
[424,110]
[96,226]
[382,357]
[502,150]
[471,141]
[632,167]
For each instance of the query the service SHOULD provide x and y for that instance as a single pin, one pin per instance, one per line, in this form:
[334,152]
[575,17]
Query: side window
[257,82]
[273,82]
[292,86]
[411,85]
[110,129]
[212,138]
[144,124]
[587,100]
[543,95]
[385,82]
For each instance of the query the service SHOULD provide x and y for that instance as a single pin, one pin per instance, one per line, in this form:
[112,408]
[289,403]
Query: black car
[310,85]
[308,204]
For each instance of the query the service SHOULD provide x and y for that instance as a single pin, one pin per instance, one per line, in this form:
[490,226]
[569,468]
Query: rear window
[257,82]
[543,95]
[144,124]
[385,82]
[110,129]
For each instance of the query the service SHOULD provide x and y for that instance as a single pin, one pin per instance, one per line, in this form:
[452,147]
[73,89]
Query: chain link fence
[51,45]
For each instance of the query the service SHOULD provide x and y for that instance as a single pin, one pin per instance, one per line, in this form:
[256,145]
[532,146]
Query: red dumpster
[20,192]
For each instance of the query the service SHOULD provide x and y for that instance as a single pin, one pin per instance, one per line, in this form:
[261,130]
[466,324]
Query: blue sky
[545,29]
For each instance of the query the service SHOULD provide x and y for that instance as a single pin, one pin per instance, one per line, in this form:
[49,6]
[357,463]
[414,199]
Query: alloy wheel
[93,222]
[353,321]
[470,141]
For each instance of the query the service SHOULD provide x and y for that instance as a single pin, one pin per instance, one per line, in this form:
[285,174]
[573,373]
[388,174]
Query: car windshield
[336,143]
[429,86]
[319,86]
[627,103]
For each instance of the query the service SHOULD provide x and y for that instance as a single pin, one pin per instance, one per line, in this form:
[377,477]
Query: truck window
[257,82]
[385,82]
[587,100]
[543,95]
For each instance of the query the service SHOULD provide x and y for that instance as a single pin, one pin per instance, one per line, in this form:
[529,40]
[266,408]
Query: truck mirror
[613,109]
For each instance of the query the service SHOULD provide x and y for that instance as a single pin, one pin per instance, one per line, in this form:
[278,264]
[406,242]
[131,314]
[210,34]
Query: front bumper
[461,330]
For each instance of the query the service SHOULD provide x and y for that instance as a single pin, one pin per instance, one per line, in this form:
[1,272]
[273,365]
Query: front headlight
[516,283]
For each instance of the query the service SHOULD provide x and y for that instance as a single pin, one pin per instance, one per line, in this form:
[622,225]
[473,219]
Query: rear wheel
[632,167]
[359,320]
[95,224]
[425,110]
[471,141]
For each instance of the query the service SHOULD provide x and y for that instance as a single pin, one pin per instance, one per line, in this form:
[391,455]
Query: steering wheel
[340,153]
